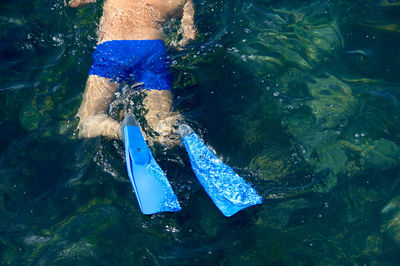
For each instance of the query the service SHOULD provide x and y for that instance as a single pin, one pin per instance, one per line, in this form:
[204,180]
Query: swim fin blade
[152,188]
[229,192]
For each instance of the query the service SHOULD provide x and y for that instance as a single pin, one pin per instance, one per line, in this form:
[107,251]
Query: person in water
[130,45]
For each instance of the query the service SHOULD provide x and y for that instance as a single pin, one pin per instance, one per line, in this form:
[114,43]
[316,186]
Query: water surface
[301,98]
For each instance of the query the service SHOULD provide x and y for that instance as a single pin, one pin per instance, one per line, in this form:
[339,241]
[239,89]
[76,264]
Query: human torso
[136,19]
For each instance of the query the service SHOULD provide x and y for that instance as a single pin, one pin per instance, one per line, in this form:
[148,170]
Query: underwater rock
[381,154]
[391,213]
[279,216]
[390,3]
[298,37]
[334,158]
[269,168]
[322,108]
[348,159]
[316,108]
[10,253]
[316,121]
[332,103]
[373,245]
[29,118]
[324,133]
[359,202]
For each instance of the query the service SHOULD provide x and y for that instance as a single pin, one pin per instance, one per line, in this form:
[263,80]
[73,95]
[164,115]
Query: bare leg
[97,97]
[92,113]
[160,117]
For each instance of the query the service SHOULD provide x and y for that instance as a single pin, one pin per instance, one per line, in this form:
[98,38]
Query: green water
[301,98]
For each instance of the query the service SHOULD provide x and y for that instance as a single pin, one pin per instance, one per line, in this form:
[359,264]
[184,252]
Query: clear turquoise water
[301,98]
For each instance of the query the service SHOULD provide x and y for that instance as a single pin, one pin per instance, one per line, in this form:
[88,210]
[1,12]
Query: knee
[99,125]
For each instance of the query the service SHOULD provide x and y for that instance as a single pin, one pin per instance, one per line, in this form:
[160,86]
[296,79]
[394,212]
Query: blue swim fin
[229,192]
[153,191]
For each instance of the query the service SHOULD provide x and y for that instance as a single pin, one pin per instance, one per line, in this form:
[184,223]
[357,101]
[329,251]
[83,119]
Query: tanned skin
[133,20]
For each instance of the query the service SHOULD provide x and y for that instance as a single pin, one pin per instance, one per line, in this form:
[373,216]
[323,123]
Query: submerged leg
[94,121]
[160,117]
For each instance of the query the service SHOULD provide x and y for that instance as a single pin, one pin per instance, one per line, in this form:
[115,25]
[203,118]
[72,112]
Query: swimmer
[130,44]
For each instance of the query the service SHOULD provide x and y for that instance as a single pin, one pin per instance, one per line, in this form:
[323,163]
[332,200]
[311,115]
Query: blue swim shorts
[139,61]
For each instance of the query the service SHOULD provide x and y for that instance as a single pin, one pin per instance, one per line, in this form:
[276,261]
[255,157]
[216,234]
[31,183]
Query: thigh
[99,93]
[158,101]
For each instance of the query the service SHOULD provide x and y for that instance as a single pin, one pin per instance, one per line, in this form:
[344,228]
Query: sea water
[300,98]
